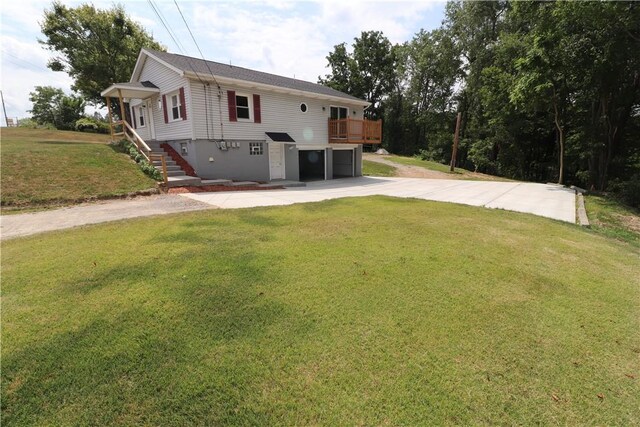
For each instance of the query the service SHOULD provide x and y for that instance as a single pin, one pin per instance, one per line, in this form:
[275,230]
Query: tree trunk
[560,138]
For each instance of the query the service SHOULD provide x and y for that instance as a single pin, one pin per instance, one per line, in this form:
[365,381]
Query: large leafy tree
[369,72]
[95,47]
[52,106]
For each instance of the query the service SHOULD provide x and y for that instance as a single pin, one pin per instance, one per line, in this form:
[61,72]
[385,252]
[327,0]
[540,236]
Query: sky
[282,37]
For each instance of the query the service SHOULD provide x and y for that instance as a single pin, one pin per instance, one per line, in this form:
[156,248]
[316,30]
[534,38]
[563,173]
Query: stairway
[176,176]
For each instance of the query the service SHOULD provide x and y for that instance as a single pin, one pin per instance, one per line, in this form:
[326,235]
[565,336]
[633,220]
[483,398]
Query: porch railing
[355,131]
[131,134]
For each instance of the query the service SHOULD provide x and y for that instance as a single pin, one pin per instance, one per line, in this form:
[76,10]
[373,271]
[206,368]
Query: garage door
[311,163]
[342,163]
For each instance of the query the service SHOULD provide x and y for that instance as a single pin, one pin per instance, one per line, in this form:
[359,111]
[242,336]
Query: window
[142,113]
[303,107]
[242,107]
[175,107]
[339,112]
[255,148]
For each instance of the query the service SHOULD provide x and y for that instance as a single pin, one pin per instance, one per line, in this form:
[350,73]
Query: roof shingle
[205,68]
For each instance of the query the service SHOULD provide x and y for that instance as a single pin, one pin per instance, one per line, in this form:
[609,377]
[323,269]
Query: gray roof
[190,64]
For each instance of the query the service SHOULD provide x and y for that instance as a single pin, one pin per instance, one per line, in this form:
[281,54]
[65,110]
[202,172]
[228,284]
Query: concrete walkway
[92,213]
[546,200]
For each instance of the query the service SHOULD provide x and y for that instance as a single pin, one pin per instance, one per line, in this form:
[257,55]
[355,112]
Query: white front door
[276,160]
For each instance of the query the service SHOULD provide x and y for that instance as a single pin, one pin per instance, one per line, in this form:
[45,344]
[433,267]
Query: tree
[95,47]
[52,106]
[369,72]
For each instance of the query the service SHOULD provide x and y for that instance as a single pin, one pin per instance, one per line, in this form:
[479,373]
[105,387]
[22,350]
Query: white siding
[280,112]
[168,81]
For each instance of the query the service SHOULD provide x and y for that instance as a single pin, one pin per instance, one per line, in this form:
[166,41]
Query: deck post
[110,117]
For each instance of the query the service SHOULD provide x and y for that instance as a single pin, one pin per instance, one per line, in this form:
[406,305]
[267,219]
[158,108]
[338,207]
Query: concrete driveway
[551,201]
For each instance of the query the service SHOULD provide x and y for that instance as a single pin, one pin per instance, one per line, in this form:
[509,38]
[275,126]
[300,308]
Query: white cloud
[276,36]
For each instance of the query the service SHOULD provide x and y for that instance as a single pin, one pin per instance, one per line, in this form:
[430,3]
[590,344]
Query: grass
[44,167]
[613,219]
[360,311]
[459,173]
[370,168]
[427,164]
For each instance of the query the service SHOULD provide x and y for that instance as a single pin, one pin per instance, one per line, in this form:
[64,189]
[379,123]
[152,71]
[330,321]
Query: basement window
[256,149]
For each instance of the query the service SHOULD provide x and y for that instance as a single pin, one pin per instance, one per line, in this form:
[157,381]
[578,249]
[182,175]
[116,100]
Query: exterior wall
[328,174]
[291,163]
[280,112]
[358,160]
[168,81]
[234,163]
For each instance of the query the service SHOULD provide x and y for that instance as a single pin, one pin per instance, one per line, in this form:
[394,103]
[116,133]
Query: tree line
[548,91]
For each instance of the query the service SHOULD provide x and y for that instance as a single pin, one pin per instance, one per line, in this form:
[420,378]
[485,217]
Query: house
[229,122]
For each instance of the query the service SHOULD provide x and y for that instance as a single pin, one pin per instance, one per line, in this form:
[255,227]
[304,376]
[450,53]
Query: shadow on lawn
[172,343]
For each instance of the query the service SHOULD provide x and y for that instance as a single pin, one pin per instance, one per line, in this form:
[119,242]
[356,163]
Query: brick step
[181,181]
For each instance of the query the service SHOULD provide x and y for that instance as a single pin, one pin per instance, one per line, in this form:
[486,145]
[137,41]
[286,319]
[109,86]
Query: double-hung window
[242,107]
[175,107]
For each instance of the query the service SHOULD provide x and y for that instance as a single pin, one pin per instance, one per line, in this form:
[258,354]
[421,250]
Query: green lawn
[613,219]
[362,311]
[370,168]
[427,164]
[44,167]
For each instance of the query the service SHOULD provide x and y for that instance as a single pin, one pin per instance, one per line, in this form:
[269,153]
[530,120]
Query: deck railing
[355,131]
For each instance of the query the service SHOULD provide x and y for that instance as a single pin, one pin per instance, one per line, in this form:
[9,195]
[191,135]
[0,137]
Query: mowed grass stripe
[355,311]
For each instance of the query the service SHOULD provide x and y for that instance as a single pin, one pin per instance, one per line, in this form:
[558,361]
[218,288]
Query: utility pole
[6,119]
[455,143]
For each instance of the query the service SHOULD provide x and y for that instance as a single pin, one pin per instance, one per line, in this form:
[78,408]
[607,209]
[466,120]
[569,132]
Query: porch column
[123,113]
[110,115]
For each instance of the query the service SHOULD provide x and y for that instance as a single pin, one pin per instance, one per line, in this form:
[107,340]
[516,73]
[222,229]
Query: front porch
[355,131]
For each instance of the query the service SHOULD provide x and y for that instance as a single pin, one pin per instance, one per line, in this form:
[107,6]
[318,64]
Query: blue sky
[281,37]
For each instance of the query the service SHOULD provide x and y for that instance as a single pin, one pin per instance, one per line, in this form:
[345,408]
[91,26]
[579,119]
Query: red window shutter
[233,114]
[164,108]
[183,105]
[133,117]
[257,116]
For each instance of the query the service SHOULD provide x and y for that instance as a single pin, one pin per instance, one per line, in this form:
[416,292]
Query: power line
[196,43]
[210,72]
[165,25]
[39,67]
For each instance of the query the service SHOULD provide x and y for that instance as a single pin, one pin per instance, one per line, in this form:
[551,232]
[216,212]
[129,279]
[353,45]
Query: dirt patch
[408,171]
[212,188]
[632,222]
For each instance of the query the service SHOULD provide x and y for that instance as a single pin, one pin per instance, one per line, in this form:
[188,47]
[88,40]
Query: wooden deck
[354,131]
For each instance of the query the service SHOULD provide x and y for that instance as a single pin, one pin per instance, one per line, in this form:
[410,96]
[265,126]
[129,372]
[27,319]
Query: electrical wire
[208,68]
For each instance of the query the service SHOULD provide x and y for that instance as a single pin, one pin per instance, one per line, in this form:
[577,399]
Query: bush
[90,124]
[628,192]
[32,124]
[125,146]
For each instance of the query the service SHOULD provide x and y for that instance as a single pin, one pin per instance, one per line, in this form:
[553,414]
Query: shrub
[628,192]
[124,146]
[90,124]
